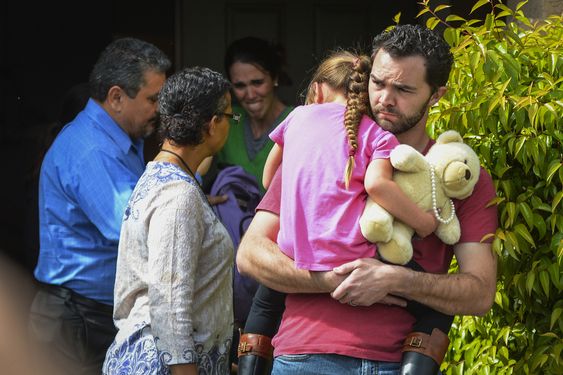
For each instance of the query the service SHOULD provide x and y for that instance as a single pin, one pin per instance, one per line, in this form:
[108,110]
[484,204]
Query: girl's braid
[356,108]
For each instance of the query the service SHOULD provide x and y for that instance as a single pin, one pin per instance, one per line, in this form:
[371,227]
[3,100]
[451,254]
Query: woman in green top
[255,69]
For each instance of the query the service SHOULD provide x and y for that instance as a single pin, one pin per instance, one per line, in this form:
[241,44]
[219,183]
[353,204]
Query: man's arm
[259,256]
[471,291]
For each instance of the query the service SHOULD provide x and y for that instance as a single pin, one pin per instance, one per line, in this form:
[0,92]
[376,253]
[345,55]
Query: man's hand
[367,282]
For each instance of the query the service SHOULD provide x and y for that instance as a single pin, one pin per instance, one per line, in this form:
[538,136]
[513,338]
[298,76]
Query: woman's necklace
[184,164]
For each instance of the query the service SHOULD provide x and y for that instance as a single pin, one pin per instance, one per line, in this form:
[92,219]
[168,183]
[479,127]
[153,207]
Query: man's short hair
[123,63]
[416,40]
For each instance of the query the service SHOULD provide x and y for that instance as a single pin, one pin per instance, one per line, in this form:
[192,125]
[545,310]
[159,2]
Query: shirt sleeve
[104,184]
[476,219]
[384,142]
[277,135]
[271,200]
[174,241]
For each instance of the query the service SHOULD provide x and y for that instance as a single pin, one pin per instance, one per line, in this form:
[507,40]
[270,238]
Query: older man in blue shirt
[86,179]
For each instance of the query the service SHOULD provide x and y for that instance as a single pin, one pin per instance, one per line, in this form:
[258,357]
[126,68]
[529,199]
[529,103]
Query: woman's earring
[276,84]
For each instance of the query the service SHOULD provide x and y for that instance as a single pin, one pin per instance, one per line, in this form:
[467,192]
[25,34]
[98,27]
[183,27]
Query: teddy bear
[449,170]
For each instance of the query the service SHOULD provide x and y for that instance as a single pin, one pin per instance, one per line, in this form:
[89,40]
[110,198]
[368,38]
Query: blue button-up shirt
[86,180]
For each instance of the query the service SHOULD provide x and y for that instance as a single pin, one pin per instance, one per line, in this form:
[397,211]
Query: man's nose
[387,98]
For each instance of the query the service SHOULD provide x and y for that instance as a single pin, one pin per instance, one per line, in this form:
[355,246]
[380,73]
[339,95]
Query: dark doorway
[45,49]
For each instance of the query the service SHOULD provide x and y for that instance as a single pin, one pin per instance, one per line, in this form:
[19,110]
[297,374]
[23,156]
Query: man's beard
[402,124]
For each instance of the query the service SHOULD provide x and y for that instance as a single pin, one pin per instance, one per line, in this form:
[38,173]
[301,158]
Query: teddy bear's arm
[449,233]
[405,158]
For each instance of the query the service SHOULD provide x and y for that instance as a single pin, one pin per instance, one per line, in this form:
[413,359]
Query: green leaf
[527,213]
[544,281]
[423,11]
[451,36]
[521,4]
[478,5]
[552,169]
[554,58]
[511,212]
[504,13]
[523,232]
[494,103]
[397,18]
[553,270]
[504,8]
[540,225]
[453,17]
[556,200]
[530,280]
[432,22]
[440,7]
[503,352]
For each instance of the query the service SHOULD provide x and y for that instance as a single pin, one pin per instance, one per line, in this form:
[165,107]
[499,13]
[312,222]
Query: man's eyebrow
[403,86]
[394,84]
[373,77]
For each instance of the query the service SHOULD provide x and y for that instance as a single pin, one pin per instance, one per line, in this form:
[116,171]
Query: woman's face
[221,127]
[253,88]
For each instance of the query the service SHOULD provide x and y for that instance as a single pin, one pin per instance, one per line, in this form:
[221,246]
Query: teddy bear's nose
[467,174]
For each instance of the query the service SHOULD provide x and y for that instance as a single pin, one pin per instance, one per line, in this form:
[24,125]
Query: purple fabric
[236,214]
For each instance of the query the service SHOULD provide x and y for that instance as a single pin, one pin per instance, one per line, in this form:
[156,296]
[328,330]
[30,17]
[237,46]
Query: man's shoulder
[82,135]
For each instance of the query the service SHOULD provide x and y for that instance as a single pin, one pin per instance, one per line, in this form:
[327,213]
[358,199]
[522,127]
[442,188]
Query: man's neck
[415,137]
[116,117]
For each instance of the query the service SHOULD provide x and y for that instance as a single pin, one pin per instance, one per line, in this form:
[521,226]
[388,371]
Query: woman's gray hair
[188,101]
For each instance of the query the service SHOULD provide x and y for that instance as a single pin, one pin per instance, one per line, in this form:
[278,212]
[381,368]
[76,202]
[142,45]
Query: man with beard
[87,177]
[361,325]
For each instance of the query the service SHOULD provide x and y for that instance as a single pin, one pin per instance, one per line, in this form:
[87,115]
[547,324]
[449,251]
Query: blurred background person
[255,68]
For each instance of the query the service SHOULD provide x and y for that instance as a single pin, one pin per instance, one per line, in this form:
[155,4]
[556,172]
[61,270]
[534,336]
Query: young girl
[334,156]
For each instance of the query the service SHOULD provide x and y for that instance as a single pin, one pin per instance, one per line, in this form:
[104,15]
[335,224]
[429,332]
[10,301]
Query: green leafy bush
[506,96]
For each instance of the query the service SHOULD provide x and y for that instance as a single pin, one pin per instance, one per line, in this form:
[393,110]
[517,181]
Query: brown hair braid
[356,107]
[349,73]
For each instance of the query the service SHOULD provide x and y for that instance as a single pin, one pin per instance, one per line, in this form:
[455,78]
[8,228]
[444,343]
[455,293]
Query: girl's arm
[272,163]
[385,192]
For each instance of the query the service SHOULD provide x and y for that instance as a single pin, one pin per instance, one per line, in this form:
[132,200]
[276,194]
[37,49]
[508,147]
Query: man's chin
[384,123]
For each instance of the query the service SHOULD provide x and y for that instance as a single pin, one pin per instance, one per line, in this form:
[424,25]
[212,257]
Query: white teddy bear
[450,169]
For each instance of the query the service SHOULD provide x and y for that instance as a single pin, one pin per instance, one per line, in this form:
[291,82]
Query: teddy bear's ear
[449,136]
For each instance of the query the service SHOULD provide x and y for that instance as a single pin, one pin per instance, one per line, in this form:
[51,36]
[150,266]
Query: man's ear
[319,95]
[437,95]
[115,98]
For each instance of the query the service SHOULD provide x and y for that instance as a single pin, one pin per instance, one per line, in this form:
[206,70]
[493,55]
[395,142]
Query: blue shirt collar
[112,128]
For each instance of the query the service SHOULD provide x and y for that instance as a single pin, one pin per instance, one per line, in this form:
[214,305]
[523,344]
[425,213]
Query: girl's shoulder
[320,108]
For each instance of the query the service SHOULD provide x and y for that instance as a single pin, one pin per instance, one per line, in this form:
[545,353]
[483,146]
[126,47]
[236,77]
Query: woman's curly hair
[188,101]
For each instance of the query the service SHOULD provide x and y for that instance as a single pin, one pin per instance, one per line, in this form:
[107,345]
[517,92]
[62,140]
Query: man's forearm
[453,294]
[260,258]
[469,292]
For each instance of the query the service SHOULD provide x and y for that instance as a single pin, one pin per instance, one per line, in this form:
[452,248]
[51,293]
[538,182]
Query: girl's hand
[428,225]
